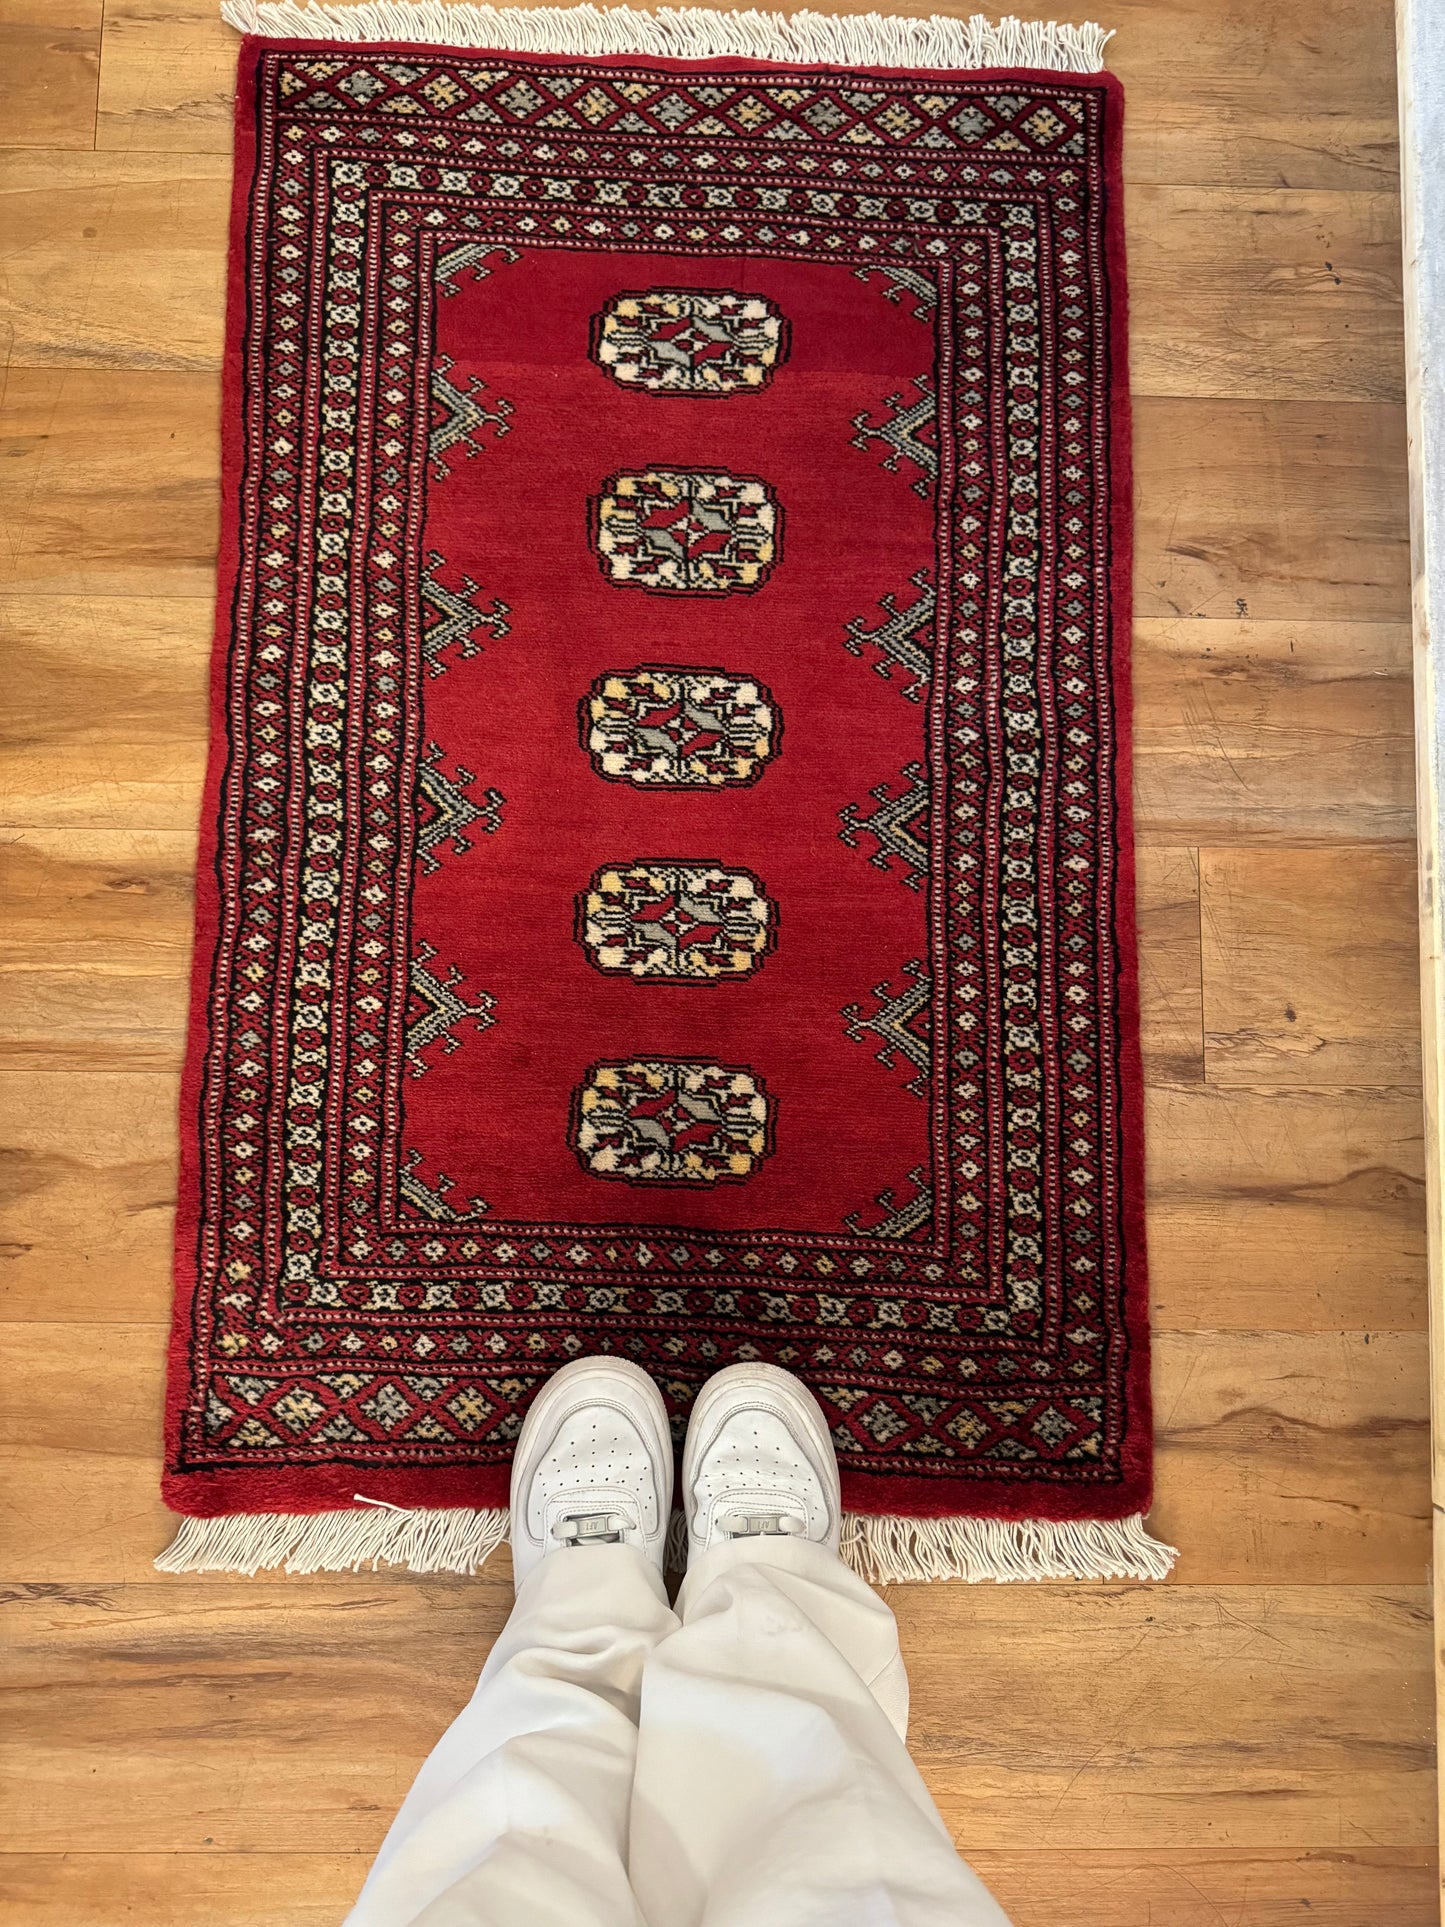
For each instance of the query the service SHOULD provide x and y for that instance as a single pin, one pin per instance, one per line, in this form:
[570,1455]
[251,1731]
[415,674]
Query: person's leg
[773,1786]
[520,1814]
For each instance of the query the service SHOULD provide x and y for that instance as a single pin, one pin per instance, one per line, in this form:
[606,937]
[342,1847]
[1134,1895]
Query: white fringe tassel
[689,33]
[884,1548]
[425,1539]
[887,1549]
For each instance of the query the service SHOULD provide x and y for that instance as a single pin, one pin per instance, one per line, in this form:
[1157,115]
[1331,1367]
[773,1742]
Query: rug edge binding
[936,41]
[885,1549]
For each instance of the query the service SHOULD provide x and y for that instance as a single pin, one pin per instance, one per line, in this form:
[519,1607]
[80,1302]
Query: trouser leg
[773,1787]
[519,1817]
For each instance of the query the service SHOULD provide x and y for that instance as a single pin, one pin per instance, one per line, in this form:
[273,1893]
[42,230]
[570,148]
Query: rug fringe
[373,1533]
[884,1549]
[689,33]
[887,1549]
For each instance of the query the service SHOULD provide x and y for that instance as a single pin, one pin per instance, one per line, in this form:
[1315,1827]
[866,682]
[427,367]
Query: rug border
[321,1488]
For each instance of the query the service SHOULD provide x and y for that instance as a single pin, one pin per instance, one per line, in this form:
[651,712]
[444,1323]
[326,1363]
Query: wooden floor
[1246,1747]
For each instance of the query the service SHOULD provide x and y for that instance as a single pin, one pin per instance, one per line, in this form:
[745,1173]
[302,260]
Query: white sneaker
[593,1465]
[758,1460]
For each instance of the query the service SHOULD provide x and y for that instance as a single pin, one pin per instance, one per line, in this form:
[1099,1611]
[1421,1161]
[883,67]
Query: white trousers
[738,1762]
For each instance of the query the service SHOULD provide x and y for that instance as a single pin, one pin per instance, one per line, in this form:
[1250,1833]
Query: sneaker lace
[590,1528]
[754,1525]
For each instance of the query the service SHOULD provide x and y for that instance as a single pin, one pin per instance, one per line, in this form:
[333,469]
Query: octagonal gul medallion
[690,341]
[664,1120]
[680,729]
[687,531]
[675,921]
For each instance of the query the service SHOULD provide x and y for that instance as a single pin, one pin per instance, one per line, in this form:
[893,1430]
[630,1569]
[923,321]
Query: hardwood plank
[87,1195]
[1171,1002]
[1297,1456]
[97,1398]
[1279,510]
[109,483]
[202,1889]
[243,1719]
[103,901]
[1285,1208]
[1174,1716]
[49,72]
[1264,293]
[1305,99]
[1292,1455]
[1301,95]
[167,77]
[96,1024]
[114,260]
[1272,731]
[94,952]
[1200,1887]
[1361,1887]
[1311,972]
[103,711]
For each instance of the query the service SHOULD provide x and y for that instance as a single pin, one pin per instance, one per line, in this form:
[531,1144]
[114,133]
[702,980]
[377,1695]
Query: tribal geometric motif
[904,641]
[717,296]
[475,258]
[910,431]
[899,1220]
[458,418]
[450,618]
[899,826]
[681,922]
[687,531]
[901,283]
[689,341]
[662,1121]
[904,1021]
[434,1010]
[443,811]
[680,728]
[431,1200]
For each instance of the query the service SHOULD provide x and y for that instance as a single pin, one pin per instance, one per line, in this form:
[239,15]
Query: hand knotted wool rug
[666,882]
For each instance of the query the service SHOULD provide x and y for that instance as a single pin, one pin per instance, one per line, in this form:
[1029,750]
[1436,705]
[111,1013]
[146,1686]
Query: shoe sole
[790,1392]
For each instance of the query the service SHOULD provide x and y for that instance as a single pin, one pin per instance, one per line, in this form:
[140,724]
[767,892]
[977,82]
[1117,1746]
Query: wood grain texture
[1265,294]
[1289,732]
[1056,1710]
[87,1195]
[108,484]
[113,260]
[1300,1208]
[103,711]
[1248,1745]
[1219,1887]
[49,72]
[1171,992]
[1159,1887]
[1276,510]
[1310,967]
[95,953]
[1293,1455]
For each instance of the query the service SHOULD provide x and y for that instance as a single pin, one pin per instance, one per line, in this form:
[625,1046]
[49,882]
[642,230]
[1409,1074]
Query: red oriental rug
[666,877]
